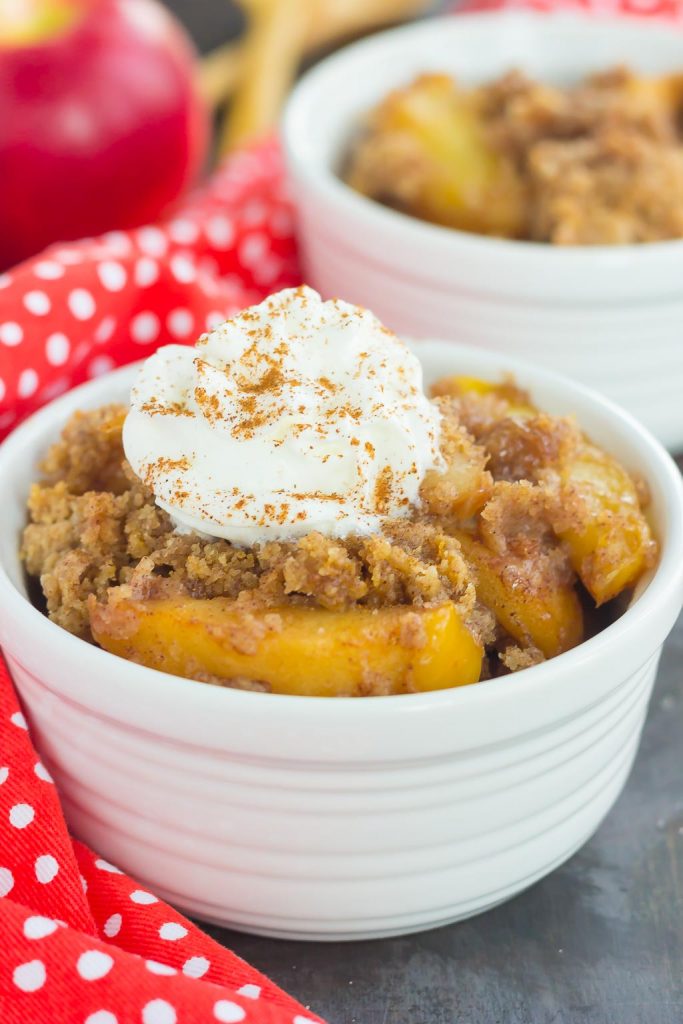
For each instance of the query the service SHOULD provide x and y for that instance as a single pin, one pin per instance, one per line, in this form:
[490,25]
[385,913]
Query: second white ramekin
[611,317]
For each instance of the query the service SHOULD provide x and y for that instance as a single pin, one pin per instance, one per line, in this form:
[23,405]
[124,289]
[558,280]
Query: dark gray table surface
[600,941]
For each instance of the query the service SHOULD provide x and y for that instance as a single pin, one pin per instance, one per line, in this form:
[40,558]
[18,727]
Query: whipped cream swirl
[296,415]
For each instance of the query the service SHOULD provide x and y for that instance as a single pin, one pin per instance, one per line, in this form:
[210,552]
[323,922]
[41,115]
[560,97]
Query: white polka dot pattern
[21,815]
[29,977]
[112,926]
[144,328]
[11,333]
[57,348]
[48,270]
[46,868]
[37,303]
[142,897]
[228,1012]
[196,967]
[41,771]
[158,1011]
[112,276]
[157,968]
[94,964]
[38,927]
[28,383]
[172,931]
[6,881]
[81,303]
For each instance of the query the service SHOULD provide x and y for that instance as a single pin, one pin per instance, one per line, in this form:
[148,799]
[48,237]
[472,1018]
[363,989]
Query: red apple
[101,125]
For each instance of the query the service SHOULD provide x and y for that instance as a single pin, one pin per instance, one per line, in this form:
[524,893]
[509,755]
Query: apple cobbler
[598,163]
[484,550]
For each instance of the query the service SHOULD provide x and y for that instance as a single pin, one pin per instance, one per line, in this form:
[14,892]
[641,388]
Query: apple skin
[102,126]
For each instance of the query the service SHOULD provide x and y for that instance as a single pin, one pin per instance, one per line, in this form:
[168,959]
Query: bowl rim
[663,592]
[409,229]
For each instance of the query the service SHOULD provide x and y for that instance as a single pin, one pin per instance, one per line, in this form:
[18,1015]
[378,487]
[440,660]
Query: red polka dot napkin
[84,944]
[81,942]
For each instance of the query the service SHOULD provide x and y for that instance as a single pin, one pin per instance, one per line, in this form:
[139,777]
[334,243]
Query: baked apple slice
[533,608]
[297,650]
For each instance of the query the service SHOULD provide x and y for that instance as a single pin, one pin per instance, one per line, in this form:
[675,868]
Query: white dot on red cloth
[4,772]
[303,1020]
[220,232]
[196,966]
[112,926]
[228,1012]
[11,333]
[21,815]
[100,365]
[105,330]
[68,256]
[158,1012]
[267,270]
[185,232]
[112,275]
[253,248]
[84,883]
[54,388]
[104,865]
[48,270]
[172,931]
[37,927]
[57,349]
[38,303]
[46,868]
[3,389]
[81,304]
[180,323]
[213,319]
[6,881]
[146,272]
[28,383]
[183,269]
[117,242]
[17,718]
[249,991]
[281,223]
[144,328]
[152,241]
[94,964]
[42,772]
[29,977]
[101,1017]
[142,897]
[5,280]
[154,967]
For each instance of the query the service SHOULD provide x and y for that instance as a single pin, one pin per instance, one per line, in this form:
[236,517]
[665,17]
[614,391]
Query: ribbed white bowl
[335,819]
[608,316]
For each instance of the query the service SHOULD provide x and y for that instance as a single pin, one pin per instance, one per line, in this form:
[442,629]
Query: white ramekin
[339,819]
[611,317]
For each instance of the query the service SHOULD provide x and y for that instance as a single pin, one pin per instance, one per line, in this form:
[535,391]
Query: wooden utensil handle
[274,46]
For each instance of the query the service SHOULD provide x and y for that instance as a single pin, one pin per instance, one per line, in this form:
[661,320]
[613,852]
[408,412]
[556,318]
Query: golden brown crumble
[499,533]
[599,163]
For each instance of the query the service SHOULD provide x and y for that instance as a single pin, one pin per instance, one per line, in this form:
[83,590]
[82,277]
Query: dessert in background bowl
[606,314]
[307,817]
[599,162]
[282,508]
